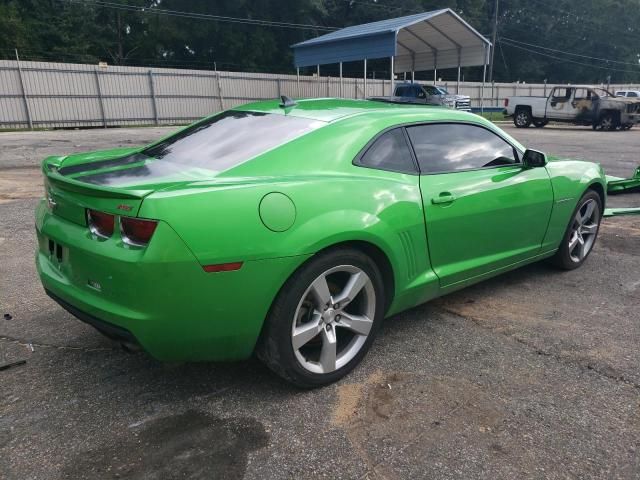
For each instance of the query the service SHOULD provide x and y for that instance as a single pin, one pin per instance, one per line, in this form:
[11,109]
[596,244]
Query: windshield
[210,146]
[443,90]
[601,92]
[225,140]
[431,90]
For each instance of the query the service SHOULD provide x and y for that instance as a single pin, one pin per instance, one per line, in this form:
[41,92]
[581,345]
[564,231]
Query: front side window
[389,152]
[451,147]
[402,92]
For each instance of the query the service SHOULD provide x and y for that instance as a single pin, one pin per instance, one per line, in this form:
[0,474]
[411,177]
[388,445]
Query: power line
[201,16]
[566,60]
[570,53]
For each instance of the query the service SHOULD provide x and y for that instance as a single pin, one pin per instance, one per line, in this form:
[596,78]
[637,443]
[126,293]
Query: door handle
[444,197]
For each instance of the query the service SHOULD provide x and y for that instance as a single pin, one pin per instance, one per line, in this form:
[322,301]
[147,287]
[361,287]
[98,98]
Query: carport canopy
[425,41]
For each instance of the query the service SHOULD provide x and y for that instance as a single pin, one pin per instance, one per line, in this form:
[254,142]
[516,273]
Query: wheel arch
[379,257]
[599,189]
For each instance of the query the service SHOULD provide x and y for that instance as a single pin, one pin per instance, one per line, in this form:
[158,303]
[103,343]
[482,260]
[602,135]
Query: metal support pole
[484,78]
[435,68]
[413,76]
[100,99]
[153,97]
[392,80]
[24,92]
[365,78]
[341,93]
[458,83]
[493,40]
[298,80]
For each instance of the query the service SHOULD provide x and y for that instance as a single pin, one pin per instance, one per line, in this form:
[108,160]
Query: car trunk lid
[115,184]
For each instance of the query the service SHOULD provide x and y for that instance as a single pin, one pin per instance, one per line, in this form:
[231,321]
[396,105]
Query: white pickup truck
[579,105]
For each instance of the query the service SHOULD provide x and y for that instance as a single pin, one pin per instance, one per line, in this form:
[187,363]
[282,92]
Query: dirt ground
[534,374]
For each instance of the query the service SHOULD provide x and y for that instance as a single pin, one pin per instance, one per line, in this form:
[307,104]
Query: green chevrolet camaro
[293,229]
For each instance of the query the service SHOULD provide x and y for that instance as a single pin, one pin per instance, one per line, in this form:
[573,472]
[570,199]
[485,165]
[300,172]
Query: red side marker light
[222,267]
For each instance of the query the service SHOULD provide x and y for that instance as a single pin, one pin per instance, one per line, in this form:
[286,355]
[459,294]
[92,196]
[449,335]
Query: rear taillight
[506,102]
[100,223]
[136,231]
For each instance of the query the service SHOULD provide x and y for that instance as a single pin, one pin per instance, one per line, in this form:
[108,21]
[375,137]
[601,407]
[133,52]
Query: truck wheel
[522,118]
[607,122]
[540,123]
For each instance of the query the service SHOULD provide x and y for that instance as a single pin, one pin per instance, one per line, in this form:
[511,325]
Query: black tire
[522,118]
[275,346]
[540,123]
[565,257]
[607,122]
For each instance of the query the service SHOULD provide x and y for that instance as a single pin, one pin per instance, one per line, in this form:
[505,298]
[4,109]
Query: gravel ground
[534,374]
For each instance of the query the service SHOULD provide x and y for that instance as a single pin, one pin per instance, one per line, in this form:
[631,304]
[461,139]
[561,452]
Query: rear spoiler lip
[89,189]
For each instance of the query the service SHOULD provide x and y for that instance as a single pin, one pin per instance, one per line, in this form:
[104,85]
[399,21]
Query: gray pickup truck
[432,95]
[579,105]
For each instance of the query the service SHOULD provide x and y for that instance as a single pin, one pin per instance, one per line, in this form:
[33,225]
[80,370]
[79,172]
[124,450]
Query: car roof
[332,109]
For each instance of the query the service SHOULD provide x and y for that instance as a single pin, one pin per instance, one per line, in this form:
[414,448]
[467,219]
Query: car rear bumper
[159,297]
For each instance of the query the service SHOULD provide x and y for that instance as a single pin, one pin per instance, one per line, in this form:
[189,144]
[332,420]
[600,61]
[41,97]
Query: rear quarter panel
[335,202]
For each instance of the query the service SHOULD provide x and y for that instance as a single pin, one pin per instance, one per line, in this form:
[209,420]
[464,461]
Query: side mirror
[533,159]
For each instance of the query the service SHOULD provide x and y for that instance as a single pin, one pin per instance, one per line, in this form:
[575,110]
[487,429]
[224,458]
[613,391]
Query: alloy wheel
[584,230]
[606,123]
[333,319]
[522,118]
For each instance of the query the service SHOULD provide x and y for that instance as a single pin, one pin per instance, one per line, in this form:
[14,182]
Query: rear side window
[632,94]
[223,141]
[389,151]
[450,147]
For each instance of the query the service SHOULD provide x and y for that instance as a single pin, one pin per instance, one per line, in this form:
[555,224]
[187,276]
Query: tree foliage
[557,40]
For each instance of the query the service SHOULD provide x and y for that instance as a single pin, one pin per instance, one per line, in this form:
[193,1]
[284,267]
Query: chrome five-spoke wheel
[581,232]
[584,230]
[325,318]
[333,319]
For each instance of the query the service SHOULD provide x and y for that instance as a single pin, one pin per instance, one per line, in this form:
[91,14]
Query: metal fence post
[279,88]
[220,91]
[100,99]
[153,97]
[24,92]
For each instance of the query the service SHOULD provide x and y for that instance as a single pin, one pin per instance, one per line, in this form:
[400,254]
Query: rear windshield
[223,141]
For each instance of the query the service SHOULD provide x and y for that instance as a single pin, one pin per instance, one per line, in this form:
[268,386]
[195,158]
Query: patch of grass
[494,116]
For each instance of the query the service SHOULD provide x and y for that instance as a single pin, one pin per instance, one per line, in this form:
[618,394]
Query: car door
[483,210]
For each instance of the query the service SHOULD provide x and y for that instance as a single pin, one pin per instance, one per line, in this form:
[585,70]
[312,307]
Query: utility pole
[493,40]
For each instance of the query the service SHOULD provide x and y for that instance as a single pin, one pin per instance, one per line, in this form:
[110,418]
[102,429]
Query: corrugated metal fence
[40,94]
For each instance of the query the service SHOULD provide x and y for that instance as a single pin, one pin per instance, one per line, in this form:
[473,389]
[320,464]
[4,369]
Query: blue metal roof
[380,39]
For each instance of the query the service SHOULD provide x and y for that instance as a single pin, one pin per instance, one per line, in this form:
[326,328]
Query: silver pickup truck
[579,105]
[432,95]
